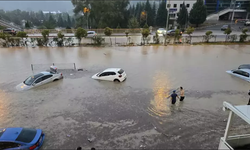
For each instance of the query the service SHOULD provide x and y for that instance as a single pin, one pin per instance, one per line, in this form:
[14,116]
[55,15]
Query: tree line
[38,19]
[112,13]
[119,13]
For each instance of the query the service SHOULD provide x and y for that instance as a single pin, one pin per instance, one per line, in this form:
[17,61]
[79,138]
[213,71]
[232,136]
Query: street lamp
[233,10]
[168,5]
[86,11]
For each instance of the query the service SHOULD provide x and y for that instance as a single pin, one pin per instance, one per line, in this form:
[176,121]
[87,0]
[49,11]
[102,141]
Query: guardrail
[98,31]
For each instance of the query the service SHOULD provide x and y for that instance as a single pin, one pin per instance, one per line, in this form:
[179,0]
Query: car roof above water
[45,73]
[112,69]
[244,66]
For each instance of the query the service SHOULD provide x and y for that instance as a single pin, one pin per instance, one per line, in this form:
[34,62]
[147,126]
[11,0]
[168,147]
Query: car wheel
[55,80]
[116,80]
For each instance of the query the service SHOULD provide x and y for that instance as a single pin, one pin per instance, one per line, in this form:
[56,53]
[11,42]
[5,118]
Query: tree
[198,13]
[50,23]
[248,11]
[244,35]
[60,22]
[227,32]
[145,32]
[161,16]
[208,36]
[27,25]
[104,13]
[190,31]
[182,16]
[69,24]
[154,13]
[133,23]
[149,13]
[60,39]
[108,31]
[80,33]
[45,34]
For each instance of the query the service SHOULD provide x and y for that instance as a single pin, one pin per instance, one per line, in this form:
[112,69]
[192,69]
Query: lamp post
[165,41]
[233,10]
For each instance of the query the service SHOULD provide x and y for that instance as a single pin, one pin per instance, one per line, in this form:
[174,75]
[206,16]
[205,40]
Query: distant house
[52,12]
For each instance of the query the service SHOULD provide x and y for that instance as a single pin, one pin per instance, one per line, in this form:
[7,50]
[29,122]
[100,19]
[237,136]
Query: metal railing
[98,31]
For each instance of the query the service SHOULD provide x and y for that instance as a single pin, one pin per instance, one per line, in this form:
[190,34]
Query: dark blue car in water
[21,139]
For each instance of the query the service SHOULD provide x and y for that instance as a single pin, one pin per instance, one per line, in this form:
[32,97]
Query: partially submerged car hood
[23,87]
[95,76]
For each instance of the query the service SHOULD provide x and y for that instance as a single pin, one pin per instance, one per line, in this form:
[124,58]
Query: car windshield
[120,71]
[31,79]
[26,135]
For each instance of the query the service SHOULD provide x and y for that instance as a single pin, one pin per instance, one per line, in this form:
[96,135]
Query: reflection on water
[160,104]
[3,107]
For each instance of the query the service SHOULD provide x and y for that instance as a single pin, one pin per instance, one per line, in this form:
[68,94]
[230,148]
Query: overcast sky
[63,6]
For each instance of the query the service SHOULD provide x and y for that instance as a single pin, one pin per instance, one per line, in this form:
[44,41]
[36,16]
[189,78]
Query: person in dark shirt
[173,97]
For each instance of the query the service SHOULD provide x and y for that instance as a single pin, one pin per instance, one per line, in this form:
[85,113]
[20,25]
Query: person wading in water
[182,94]
[173,97]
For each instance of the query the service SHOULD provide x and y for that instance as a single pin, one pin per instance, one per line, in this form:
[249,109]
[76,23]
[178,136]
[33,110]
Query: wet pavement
[80,111]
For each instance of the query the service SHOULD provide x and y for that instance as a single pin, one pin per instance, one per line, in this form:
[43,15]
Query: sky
[46,5]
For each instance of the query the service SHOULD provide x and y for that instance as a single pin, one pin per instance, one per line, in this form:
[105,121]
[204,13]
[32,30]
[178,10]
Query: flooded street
[132,114]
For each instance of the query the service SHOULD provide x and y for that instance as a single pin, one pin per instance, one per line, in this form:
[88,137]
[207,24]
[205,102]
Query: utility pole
[232,18]
[167,3]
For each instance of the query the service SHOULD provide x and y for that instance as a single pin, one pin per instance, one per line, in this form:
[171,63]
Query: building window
[172,15]
[180,5]
[169,5]
[175,5]
[188,5]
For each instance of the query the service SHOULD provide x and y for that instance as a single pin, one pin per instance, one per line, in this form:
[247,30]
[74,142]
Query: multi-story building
[216,9]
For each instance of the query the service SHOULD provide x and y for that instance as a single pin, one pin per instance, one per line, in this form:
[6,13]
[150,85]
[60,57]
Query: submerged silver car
[38,79]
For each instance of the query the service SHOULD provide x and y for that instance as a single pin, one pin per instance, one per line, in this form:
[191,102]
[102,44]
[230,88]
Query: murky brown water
[129,114]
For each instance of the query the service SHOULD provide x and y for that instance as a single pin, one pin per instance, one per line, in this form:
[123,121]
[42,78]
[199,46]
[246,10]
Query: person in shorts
[173,97]
[182,96]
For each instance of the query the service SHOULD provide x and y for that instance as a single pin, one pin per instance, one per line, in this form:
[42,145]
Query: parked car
[161,31]
[241,73]
[247,23]
[21,138]
[40,79]
[91,34]
[10,31]
[111,74]
[224,27]
[244,66]
[172,32]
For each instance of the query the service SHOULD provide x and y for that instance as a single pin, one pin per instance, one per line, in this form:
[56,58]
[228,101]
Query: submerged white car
[38,79]
[111,74]
[241,73]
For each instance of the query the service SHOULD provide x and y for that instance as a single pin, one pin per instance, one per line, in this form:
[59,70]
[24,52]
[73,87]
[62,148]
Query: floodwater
[132,114]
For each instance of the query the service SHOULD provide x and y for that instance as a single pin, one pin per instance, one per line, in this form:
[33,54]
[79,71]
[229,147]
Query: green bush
[145,32]
[156,38]
[98,40]
[227,32]
[80,33]
[208,36]
[22,34]
[244,35]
